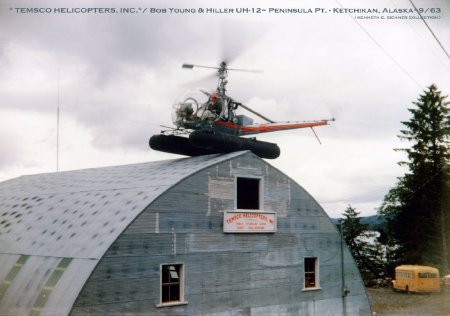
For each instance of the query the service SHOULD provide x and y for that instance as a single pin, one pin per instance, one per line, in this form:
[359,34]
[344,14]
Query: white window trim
[317,273]
[181,301]
[261,191]
[307,289]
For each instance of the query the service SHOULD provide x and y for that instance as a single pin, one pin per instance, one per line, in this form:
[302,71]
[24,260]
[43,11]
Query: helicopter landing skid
[175,131]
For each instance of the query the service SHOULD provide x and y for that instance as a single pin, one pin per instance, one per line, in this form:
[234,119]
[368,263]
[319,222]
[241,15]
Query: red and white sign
[249,222]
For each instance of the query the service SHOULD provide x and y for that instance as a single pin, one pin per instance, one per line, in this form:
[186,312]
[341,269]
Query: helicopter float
[212,125]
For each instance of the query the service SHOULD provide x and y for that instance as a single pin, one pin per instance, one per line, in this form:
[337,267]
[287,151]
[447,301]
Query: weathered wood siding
[226,274]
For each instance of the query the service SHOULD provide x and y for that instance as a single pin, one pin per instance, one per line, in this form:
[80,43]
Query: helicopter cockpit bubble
[191,108]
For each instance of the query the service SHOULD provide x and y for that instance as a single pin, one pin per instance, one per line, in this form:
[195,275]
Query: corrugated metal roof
[75,214]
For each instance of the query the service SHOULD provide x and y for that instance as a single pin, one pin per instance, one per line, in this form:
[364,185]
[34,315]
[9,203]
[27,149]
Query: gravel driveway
[385,301]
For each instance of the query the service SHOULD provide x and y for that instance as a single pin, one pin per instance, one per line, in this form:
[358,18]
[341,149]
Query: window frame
[316,275]
[260,192]
[181,277]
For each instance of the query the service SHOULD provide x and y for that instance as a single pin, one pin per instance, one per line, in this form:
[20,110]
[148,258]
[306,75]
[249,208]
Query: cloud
[24,139]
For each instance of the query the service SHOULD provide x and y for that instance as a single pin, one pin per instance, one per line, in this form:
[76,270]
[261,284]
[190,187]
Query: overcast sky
[115,77]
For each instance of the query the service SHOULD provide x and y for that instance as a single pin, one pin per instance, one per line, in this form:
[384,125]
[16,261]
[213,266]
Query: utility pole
[344,287]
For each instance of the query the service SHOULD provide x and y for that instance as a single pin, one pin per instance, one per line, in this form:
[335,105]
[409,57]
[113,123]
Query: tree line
[417,208]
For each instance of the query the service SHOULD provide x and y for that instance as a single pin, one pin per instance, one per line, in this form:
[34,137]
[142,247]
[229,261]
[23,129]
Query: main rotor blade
[238,37]
[256,71]
[190,66]
[256,113]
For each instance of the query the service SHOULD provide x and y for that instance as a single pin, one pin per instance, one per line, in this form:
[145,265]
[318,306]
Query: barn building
[208,235]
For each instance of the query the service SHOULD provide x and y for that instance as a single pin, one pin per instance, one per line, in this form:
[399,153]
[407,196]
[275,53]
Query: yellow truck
[413,278]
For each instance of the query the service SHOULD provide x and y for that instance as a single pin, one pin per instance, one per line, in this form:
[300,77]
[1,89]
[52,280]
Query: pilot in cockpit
[212,108]
[215,104]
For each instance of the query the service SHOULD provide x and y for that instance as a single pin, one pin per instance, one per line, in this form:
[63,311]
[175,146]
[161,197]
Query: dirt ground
[386,302]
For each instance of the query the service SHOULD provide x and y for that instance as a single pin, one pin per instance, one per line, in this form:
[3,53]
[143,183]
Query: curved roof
[73,216]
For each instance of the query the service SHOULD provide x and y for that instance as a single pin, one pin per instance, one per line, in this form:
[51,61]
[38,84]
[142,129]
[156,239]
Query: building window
[311,273]
[172,284]
[247,193]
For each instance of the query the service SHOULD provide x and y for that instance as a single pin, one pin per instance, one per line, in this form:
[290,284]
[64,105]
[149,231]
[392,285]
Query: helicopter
[213,126]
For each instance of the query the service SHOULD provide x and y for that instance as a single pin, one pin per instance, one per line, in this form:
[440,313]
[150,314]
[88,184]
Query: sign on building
[249,222]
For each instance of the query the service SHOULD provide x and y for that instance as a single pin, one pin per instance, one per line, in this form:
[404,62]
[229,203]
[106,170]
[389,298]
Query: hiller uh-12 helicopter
[214,127]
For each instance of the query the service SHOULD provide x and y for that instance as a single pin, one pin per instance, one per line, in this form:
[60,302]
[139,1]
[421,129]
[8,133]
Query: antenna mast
[57,130]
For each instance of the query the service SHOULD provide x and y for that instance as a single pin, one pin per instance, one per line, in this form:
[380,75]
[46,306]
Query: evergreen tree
[418,207]
[366,250]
